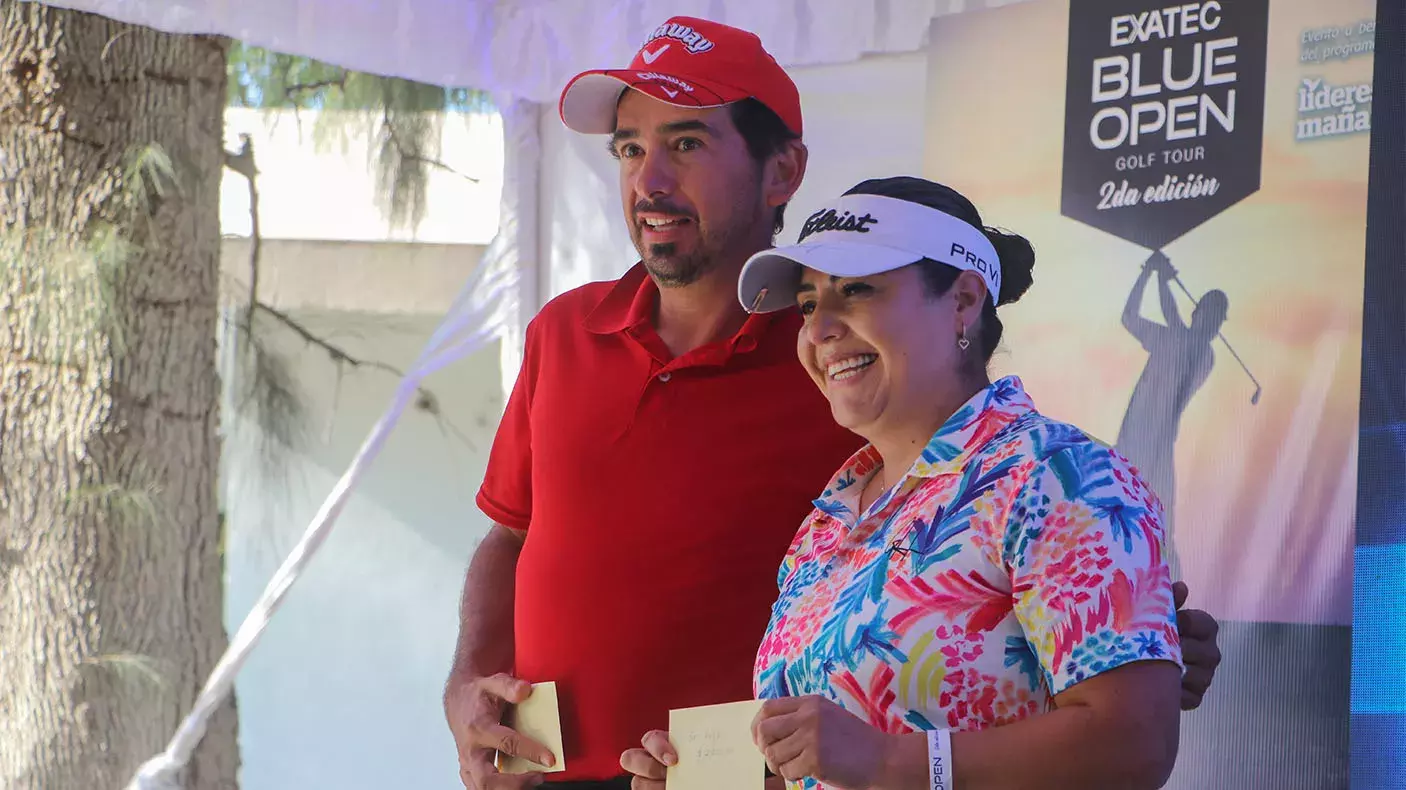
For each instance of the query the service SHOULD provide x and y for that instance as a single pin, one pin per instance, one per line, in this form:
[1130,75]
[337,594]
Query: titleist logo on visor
[828,219]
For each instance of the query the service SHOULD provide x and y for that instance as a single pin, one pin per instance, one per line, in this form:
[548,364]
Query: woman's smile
[850,367]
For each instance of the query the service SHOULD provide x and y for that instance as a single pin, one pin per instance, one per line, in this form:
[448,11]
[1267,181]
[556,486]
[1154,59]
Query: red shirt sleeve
[506,493]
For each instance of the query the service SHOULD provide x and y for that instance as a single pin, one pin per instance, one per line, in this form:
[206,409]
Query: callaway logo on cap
[686,62]
[862,235]
[691,39]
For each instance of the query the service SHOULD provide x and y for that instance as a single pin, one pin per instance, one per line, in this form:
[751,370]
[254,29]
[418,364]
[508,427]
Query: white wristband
[940,759]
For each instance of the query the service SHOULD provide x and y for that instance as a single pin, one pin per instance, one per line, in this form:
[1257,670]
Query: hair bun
[1017,263]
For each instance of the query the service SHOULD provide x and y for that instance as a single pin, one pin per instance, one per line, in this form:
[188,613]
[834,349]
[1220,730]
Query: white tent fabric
[529,48]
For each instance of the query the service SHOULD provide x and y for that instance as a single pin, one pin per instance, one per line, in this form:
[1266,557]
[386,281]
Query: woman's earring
[962,342]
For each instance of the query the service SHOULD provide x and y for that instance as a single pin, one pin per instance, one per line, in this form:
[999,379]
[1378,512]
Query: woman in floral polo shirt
[980,597]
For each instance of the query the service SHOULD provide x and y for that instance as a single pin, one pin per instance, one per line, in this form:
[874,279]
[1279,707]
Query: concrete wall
[388,278]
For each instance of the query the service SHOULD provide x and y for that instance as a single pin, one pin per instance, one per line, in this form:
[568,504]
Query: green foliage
[265,390]
[131,506]
[70,283]
[403,119]
[148,178]
[148,175]
[138,675]
[62,297]
[261,78]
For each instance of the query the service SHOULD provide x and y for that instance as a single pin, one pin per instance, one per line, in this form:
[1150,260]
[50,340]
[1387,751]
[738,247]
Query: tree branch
[338,355]
[425,400]
[242,162]
[339,82]
[414,157]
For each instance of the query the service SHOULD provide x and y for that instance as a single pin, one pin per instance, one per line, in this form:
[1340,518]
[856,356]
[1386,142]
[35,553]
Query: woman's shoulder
[1072,481]
[1043,435]
[1046,441]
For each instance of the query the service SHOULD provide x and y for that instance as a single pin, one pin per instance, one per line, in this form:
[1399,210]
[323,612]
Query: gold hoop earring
[962,342]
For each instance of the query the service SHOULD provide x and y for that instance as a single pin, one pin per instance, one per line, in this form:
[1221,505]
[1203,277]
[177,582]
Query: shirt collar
[631,303]
[968,430]
[964,434]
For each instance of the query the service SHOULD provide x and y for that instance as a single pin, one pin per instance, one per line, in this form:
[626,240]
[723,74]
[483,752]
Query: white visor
[863,235]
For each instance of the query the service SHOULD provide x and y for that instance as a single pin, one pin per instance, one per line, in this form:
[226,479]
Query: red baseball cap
[686,62]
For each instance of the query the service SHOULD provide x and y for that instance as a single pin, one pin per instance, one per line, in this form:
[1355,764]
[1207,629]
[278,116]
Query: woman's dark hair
[766,135]
[1016,254]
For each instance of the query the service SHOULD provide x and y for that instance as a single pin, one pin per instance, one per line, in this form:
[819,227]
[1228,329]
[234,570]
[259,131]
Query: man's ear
[784,172]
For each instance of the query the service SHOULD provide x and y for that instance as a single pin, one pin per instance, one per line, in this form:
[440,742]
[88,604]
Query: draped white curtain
[529,48]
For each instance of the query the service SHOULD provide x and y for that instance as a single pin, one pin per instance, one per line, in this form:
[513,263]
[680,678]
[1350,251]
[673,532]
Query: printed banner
[1193,177]
[1169,135]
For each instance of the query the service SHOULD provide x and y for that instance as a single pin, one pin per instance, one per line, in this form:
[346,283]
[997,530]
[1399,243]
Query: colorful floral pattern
[1015,559]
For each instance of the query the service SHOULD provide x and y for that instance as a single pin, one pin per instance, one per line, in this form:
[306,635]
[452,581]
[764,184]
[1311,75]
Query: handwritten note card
[715,748]
[539,719]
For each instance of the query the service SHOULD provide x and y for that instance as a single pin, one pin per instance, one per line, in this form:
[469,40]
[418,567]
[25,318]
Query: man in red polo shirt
[661,445]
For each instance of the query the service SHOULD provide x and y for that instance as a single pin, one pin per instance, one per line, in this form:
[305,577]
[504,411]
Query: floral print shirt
[1016,558]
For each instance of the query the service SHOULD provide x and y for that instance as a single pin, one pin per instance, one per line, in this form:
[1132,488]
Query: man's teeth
[848,368]
[660,223]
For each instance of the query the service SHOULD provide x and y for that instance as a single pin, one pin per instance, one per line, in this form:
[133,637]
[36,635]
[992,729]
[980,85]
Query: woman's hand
[814,737]
[649,765]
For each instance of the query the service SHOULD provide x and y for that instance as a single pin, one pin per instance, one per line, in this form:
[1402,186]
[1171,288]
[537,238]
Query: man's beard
[671,270]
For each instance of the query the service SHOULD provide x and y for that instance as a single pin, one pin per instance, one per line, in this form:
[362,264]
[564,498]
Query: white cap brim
[588,104]
[778,270]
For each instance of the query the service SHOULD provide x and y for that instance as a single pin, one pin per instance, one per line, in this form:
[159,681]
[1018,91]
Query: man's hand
[812,737]
[475,709]
[648,766]
[1198,632]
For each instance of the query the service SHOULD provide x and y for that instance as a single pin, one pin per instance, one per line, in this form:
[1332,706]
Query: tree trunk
[111,574]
